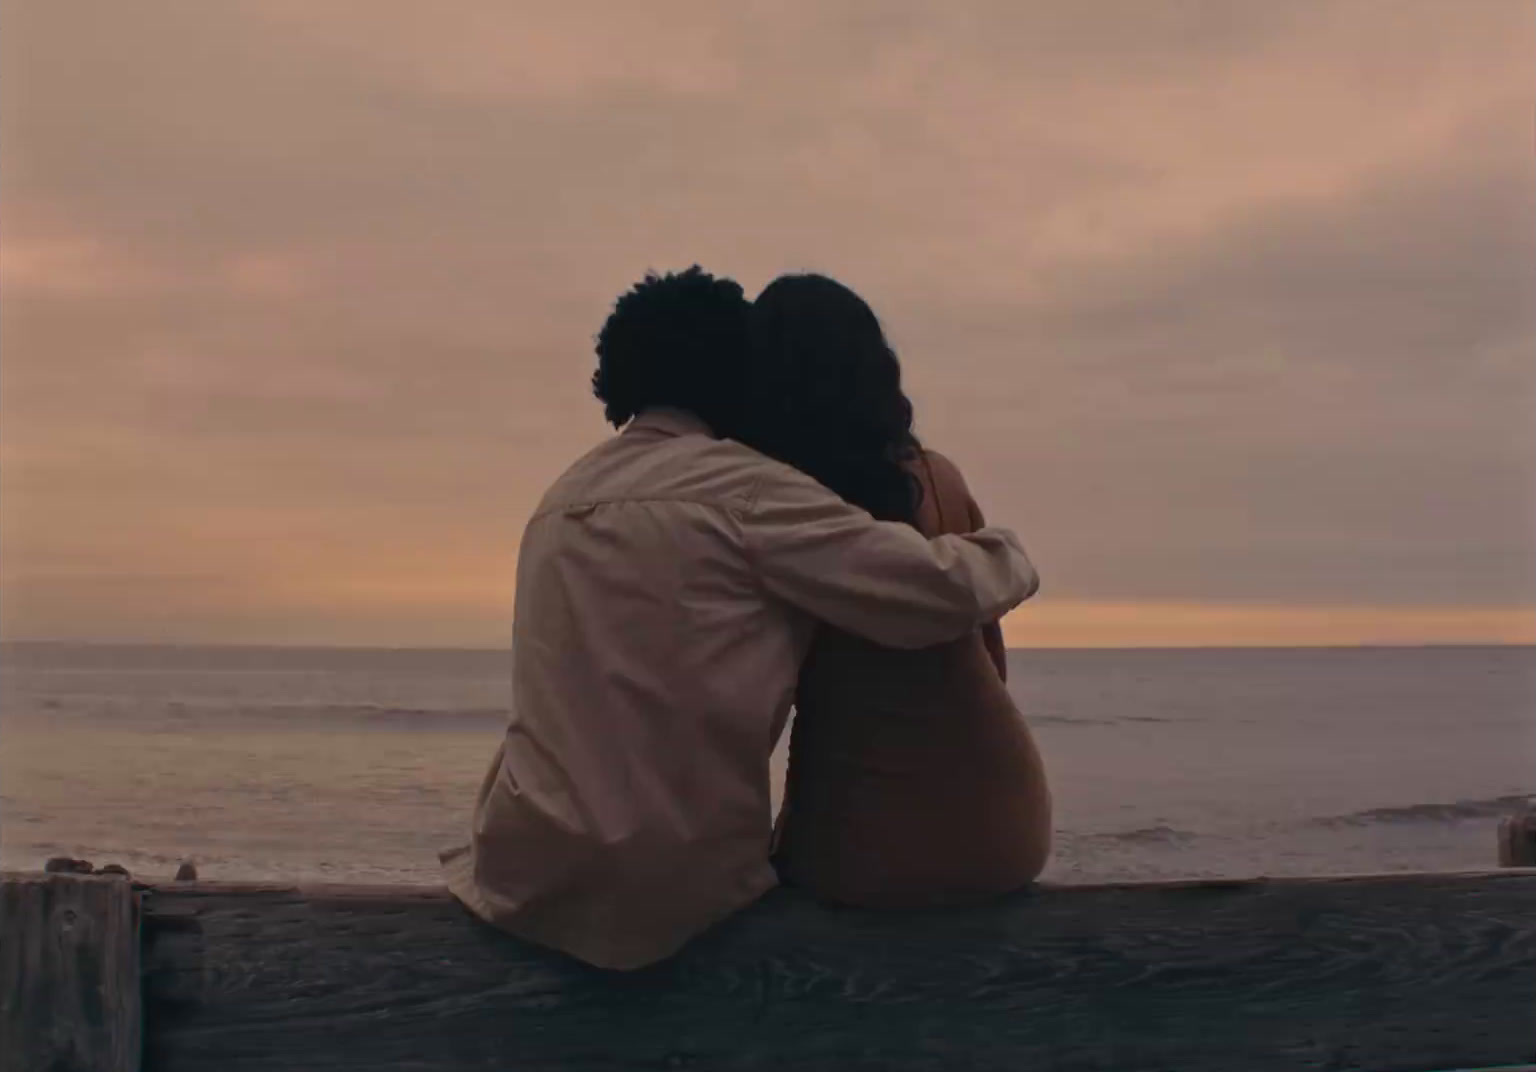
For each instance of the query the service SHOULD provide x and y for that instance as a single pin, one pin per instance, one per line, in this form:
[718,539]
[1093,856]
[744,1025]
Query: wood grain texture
[69,974]
[1417,972]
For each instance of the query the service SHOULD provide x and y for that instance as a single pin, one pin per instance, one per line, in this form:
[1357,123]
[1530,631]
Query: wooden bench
[1430,971]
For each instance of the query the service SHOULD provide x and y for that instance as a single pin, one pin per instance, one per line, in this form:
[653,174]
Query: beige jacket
[667,589]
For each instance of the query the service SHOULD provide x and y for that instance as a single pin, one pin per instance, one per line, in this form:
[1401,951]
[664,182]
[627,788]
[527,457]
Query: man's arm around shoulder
[880,580]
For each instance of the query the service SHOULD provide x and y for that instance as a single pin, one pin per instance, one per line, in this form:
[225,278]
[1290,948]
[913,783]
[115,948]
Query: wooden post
[1517,840]
[69,973]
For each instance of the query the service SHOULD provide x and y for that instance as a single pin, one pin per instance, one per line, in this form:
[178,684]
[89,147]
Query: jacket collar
[669,421]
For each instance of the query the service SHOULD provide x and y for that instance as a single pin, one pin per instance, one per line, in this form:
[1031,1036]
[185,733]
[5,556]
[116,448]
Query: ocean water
[330,765]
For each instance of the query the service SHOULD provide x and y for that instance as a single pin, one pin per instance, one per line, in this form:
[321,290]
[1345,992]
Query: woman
[913,780]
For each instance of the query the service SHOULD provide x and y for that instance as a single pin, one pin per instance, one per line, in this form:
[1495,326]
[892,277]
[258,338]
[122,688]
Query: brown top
[913,779]
[667,589]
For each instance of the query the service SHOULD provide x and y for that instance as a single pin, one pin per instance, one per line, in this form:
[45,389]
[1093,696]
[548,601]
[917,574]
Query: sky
[1228,307]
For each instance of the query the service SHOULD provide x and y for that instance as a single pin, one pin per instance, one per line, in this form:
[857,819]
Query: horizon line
[268,646]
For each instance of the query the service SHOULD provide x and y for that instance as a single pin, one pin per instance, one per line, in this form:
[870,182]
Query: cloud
[1216,302]
[62,265]
[1323,397]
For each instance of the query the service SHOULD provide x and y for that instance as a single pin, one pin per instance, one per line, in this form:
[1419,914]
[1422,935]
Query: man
[667,588]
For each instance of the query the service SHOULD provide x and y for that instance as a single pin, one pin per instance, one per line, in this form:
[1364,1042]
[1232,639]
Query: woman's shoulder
[947,505]
[943,471]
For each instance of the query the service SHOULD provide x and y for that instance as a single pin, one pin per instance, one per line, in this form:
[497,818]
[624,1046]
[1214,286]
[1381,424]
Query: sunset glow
[1230,310]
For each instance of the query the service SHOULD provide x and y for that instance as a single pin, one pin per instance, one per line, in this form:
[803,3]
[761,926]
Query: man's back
[667,590]
[639,730]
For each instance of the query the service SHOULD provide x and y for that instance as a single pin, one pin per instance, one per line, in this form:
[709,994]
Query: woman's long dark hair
[826,395]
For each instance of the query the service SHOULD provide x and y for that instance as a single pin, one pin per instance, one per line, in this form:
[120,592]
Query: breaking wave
[1145,835]
[1461,810]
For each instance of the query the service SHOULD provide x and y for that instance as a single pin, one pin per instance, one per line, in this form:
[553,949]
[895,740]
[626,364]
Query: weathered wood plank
[1416,972]
[69,974]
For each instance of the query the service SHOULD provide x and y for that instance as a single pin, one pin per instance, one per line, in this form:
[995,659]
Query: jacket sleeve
[880,580]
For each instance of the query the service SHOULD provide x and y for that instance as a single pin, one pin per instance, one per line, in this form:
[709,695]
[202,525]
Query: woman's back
[913,779]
